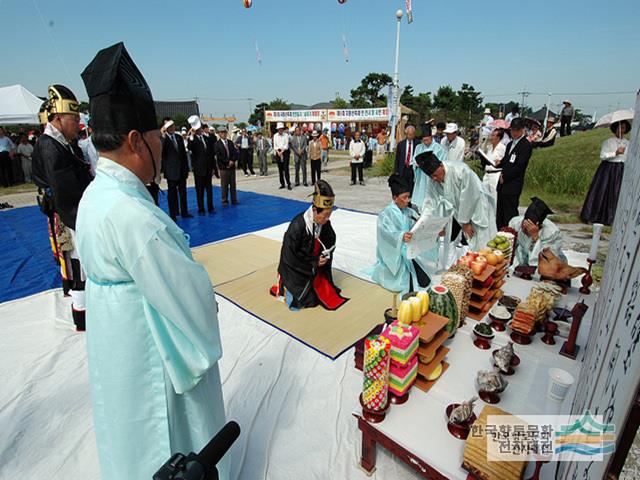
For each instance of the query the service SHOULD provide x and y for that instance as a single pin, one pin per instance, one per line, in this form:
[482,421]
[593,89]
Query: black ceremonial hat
[537,211]
[428,162]
[398,185]
[120,99]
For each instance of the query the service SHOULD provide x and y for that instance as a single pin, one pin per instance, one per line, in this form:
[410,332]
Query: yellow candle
[416,309]
[405,314]
[424,298]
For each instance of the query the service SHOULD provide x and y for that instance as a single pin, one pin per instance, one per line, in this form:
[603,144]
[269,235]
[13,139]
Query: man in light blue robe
[152,330]
[455,190]
[420,179]
[535,233]
[393,270]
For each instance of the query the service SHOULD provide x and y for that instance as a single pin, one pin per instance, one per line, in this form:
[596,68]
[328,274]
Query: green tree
[421,103]
[339,102]
[275,104]
[258,113]
[445,100]
[469,105]
[241,124]
[368,94]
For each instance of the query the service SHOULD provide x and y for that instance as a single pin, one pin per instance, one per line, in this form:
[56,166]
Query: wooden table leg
[368,460]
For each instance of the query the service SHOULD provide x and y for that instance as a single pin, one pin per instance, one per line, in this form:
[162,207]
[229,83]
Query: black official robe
[309,284]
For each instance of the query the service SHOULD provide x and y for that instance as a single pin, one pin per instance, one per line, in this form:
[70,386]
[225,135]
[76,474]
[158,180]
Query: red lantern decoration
[342,2]
[247,3]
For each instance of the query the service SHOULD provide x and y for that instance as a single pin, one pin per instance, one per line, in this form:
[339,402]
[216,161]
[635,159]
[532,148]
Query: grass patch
[562,174]
[384,167]
[566,218]
[22,188]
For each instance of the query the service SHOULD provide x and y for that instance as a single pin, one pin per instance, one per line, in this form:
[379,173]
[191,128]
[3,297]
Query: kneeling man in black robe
[304,272]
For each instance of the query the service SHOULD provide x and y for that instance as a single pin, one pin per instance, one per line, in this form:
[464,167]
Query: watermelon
[441,302]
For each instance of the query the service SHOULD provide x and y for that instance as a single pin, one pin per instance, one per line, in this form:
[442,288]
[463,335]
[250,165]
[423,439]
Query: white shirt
[609,147]
[455,149]
[494,155]
[486,129]
[244,142]
[510,116]
[25,149]
[90,153]
[280,141]
[357,148]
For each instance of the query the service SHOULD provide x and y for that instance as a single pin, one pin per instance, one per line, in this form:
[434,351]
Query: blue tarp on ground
[27,266]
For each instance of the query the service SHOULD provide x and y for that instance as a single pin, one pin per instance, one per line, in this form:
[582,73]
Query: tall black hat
[428,162]
[119,97]
[398,185]
[537,212]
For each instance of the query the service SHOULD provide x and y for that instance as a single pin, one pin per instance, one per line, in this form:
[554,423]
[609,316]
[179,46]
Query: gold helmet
[323,196]
[42,113]
[61,100]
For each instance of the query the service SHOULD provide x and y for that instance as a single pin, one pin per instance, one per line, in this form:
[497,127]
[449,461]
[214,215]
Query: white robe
[527,250]
[462,195]
[152,330]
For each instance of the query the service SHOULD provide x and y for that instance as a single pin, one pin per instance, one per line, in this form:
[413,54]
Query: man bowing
[455,190]
[153,343]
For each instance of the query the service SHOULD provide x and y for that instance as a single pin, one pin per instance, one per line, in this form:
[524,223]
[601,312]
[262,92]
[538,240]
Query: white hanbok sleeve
[180,308]
[471,195]
[391,248]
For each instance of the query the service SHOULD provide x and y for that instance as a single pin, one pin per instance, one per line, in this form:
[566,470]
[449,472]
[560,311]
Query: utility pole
[396,87]
[524,94]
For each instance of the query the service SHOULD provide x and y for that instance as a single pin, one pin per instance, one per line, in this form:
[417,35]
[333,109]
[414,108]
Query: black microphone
[201,466]
[213,451]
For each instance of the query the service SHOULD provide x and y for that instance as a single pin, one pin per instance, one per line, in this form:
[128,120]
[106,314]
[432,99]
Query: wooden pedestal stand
[432,336]
[485,297]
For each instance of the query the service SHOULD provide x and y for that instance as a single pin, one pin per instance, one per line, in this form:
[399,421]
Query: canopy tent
[18,105]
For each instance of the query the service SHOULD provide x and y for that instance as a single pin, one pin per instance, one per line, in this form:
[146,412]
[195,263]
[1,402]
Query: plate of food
[510,302]
[484,334]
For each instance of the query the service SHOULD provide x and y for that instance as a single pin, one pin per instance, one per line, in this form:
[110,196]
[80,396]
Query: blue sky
[207,48]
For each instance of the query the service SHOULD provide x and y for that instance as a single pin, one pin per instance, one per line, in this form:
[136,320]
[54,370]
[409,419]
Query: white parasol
[613,117]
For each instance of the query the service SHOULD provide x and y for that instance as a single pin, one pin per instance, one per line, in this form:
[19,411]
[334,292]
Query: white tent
[18,105]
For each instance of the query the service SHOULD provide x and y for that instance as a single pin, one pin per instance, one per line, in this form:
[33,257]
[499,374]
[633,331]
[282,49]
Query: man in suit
[298,145]
[226,156]
[404,154]
[175,168]
[244,145]
[211,139]
[262,148]
[202,164]
[514,165]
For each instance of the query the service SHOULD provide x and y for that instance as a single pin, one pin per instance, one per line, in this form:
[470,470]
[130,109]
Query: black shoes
[362,183]
[280,187]
[5,205]
[289,187]
[305,184]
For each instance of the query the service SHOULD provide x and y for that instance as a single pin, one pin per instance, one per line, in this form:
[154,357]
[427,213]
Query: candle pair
[414,308]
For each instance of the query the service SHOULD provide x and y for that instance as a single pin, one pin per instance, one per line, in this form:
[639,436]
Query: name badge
[512,158]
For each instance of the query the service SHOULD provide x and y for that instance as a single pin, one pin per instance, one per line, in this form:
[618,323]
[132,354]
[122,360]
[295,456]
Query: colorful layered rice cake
[401,378]
[404,342]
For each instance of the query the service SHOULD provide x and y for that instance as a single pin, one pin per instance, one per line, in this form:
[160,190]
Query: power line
[575,94]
